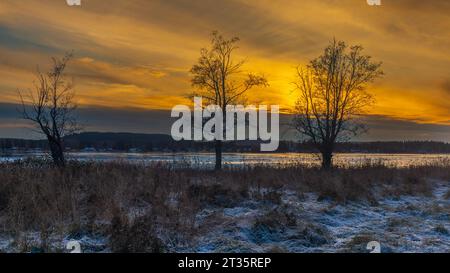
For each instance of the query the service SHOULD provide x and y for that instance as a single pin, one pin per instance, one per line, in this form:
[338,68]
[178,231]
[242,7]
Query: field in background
[240,160]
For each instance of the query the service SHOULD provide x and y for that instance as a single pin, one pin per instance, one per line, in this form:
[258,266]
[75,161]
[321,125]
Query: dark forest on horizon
[131,142]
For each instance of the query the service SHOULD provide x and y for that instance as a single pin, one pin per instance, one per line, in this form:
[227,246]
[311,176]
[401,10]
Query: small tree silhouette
[332,92]
[219,79]
[51,107]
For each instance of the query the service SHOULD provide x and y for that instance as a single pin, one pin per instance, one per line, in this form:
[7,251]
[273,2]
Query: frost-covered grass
[303,224]
[120,207]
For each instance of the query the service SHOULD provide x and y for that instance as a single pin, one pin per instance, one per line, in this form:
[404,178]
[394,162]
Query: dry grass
[447,195]
[143,208]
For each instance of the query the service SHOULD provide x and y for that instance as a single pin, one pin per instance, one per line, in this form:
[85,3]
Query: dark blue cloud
[15,40]
[104,119]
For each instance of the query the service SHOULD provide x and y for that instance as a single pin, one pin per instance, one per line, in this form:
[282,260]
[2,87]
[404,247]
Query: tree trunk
[327,159]
[57,152]
[218,155]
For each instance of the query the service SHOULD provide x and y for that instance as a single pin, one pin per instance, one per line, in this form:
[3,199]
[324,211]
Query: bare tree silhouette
[50,106]
[219,79]
[332,92]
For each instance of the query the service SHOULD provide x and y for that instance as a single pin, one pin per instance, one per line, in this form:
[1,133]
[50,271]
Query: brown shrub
[447,195]
[136,236]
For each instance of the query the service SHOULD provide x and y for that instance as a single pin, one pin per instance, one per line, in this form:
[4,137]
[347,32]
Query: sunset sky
[132,57]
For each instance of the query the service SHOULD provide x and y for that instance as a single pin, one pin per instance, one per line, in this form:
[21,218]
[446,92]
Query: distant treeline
[120,142]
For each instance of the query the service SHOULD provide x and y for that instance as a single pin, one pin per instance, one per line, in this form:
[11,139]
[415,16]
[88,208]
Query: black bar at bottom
[219,262]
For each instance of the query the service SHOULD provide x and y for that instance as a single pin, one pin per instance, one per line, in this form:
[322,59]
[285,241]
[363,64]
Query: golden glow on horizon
[137,54]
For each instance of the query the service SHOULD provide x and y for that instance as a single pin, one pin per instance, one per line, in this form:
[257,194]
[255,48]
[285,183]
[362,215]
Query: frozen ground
[303,224]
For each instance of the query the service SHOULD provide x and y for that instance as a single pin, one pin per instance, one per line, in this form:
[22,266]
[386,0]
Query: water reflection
[249,159]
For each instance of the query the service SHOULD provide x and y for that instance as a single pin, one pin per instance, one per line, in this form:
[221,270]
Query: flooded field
[249,159]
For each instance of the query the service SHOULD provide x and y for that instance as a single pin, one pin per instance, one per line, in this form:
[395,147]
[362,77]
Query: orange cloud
[137,53]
